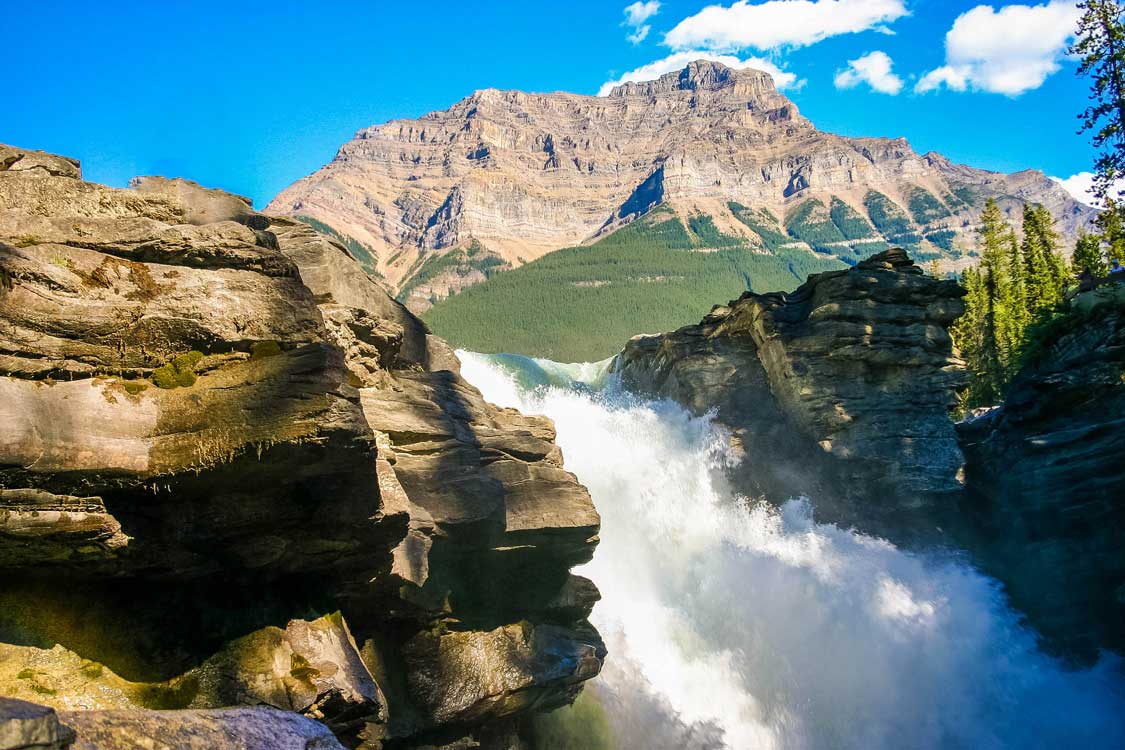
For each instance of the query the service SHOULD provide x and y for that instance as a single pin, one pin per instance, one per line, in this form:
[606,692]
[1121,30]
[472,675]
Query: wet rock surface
[217,430]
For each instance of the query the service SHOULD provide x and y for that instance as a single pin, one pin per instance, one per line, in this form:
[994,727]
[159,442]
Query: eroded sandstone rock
[27,726]
[215,424]
[258,728]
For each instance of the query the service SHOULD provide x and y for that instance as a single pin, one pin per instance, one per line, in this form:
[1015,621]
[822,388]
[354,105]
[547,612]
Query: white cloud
[1009,51]
[780,23]
[874,69]
[640,34]
[639,12]
[1080,185]
[679,60]
[635,17]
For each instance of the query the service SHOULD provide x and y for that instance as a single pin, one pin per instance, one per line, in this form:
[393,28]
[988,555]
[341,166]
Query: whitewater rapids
[745,627]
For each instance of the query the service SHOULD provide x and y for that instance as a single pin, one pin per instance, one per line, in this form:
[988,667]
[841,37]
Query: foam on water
[743,626]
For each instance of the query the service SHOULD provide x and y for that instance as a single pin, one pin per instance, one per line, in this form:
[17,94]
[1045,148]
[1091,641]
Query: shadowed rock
[1046,475]
[840,391]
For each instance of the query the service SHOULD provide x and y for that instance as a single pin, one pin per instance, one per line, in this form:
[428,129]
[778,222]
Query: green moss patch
[179,373]
[264,349]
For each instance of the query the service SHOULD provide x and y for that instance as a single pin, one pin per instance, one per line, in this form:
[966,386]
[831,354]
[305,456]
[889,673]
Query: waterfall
[743,626]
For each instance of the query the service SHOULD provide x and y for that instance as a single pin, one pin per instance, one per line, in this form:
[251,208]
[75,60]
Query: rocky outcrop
[217,429]
[840,391]
[522,175]
[1046,478]
[27,726]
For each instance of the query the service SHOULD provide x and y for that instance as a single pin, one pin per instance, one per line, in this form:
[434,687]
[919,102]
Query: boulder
[256,728]
[28,726]
[460,677]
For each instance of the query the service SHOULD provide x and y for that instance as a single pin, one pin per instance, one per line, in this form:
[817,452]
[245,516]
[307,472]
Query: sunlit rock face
[516,175]
[1047,479]
[234,472]
[839,391]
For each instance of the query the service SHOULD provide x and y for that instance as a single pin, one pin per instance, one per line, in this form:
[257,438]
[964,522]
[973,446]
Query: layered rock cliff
[839,391]
[234,474]
[518,175]
[1046,478]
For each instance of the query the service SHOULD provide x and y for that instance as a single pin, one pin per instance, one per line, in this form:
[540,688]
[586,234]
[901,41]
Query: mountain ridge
[519,175]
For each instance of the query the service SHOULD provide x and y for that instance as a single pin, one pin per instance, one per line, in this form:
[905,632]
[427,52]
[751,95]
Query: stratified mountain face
[505,177]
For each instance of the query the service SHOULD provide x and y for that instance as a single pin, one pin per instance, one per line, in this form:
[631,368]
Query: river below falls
[741,626]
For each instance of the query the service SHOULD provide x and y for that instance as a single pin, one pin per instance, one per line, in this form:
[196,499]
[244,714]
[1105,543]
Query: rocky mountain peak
[518,175]
[702,75]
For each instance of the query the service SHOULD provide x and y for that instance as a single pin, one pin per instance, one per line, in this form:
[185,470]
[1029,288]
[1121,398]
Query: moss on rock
[263,349]
[180,372]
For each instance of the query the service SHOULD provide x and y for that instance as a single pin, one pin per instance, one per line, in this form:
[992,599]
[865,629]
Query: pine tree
[1000,321]
[1088,255]
[969,333]
[1100,42]
[1051,244]
[1017,269]
[1113,234]
[1047,276]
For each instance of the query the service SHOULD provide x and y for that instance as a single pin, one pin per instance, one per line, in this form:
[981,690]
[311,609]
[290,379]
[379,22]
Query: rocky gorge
[245,495]
[248,500]
[842,392]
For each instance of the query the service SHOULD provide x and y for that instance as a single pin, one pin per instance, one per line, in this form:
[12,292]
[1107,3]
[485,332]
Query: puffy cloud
[1080,185]
[1007,51]
[639,12]
[780,23]
[679,60]
[874,69]
[635,17]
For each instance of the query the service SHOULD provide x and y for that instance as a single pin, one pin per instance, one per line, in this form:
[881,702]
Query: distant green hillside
[584,303]
[361,252]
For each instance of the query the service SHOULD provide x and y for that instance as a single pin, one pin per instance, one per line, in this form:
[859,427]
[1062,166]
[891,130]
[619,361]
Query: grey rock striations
[839,391]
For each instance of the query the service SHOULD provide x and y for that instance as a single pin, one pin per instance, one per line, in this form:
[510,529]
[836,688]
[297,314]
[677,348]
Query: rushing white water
[745,627]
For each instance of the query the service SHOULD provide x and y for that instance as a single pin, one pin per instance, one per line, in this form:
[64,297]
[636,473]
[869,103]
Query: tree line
[1021,283]
[1019,286]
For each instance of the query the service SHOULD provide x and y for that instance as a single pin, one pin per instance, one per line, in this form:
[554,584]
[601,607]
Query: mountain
[501,178]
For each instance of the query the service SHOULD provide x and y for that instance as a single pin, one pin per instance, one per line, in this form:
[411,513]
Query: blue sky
[250,96]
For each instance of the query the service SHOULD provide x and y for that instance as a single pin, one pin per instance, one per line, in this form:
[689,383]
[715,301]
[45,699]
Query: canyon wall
[839,391]
[1046,478]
